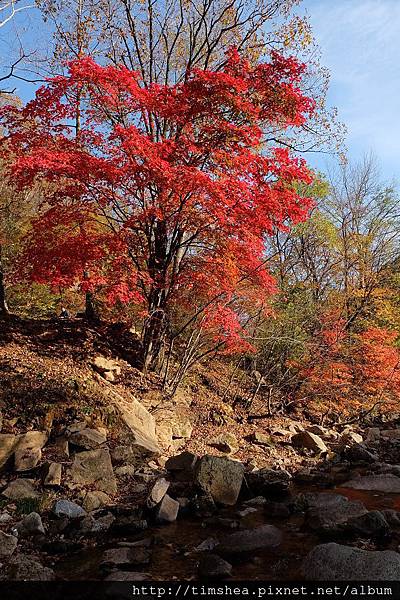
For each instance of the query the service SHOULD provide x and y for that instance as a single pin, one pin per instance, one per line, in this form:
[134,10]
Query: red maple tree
[163,194]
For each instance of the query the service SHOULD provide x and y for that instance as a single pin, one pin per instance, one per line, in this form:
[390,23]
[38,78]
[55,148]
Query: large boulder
[334,562]
[94,468]
[250,540]
[377,483]
[220,477]
[310,441]
[141,425]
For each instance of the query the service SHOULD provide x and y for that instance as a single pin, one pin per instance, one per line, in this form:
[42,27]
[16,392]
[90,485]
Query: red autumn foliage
[352,372]
[163,193]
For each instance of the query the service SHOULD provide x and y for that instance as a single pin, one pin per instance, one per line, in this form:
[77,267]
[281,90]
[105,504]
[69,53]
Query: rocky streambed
[82,504]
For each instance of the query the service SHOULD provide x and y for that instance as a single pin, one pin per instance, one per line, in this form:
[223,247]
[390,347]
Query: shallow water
[173,549]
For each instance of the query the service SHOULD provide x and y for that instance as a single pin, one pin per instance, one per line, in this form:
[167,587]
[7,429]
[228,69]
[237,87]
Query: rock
[358,453]
[173,422]
[103,365]
[350,438]
[118,557]
[130,524]
[8,544]
[378,483]
[334,562]
[168,510]
[125,471]
[261,439]
[94,467]
[26,568]
[225,442]
[124,454]
[21,489]
[141,425]
[31,440]
[90,439]
[326,510]
[220,477]
[208,544]
[213,566]
[250,540]
[27,459]
[31,525]
[268,481]
[372,434]
[318,430]
[62,446]
[392,517]
[66,508]
[257,501]
[183,463]
[8,442]
[158,492]
[306,439]
[52,474]
[5,517]
[277,510]
[369,525]
[203,506]
[92,526]
[95,499]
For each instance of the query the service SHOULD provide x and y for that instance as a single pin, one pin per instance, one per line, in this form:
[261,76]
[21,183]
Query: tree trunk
[90,309]
[3,302]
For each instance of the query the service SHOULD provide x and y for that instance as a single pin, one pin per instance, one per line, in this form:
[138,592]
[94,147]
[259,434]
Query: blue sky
[359,42]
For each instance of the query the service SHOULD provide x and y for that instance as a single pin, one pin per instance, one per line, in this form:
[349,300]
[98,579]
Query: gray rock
[31,525]
[168,510]
[66,508]
[90,439]
[213,566]
[20,489]
[94,467]
[158,492]
[306,439]
[370,525]
[184,463]
[326,510]
[358,453]
[92,526]
[268,481]
[8,544]
[220,477]
[249,540]
[118,557]
[390,434]
[378,483]
[334,562]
